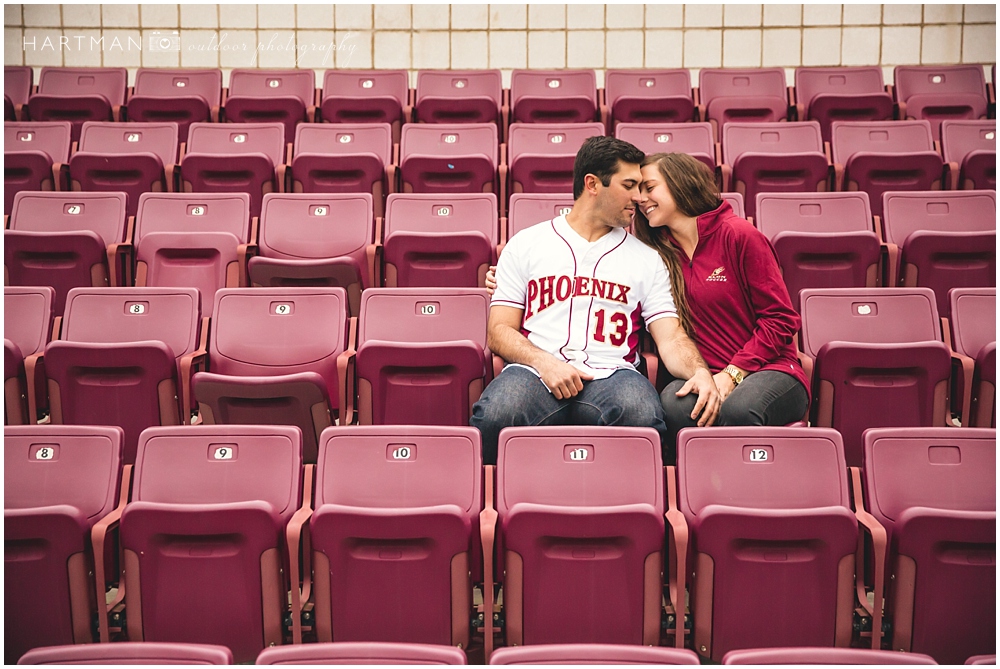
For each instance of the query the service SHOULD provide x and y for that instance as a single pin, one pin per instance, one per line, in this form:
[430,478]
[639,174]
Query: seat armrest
[345,373]
[189,364]
[297,539]
[98,536]
[678,548]
[245,251]
[879,543]
[487,532]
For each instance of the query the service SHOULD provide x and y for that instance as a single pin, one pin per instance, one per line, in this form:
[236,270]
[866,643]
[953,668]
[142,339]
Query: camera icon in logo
[164,41]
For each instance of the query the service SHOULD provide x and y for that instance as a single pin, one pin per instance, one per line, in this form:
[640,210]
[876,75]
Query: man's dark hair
[599,156]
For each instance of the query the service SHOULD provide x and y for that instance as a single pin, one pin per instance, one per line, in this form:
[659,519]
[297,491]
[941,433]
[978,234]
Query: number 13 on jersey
[611,329]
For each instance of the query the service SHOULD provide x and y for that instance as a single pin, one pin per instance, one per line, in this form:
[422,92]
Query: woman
[730,296]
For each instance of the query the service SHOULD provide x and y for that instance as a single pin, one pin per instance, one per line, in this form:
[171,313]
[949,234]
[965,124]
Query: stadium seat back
[346,652]
[743,95]
[27,327]
[972,146]
[696,139]
[553,96]
[592,653]
[131,652]
[449,158]
[823,656]
[649,96]
[540,155]
[581,518]
[395,512]
[17,83]
[31,150]
[829,94]
[459,96]
[267,96]
[183,96]
[528,209]
[366,96]
[937,92]
[974,334]
[78,94]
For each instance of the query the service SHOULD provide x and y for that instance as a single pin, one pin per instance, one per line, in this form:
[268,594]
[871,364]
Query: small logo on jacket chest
[718,274]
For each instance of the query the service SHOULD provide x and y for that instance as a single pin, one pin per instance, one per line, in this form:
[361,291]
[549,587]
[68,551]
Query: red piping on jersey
[569,323]
[586,355]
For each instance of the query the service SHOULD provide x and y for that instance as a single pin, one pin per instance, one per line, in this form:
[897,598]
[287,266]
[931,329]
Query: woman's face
[657,203]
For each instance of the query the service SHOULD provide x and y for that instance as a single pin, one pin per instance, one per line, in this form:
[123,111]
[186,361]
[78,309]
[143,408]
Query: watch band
[735,374]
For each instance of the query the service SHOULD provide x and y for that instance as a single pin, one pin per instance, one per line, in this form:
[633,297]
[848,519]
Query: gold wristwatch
[735,374]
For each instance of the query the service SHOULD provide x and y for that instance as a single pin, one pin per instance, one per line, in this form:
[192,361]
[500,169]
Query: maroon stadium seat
[35,156]
[367,96]
[592,653]
[879,360]
[938,92]
[528,209]
[124,358]
[60,484]
[421,356]
[27,327]
[878,156]
[78,94]
[243,158]
[823,656]
[446,240]
[125,157]
[461,96]
[449,158]
[267,96]
[828,94]
[983,659]
[941,240]
[316,239]
[773,158]
[934,490]
[202,536]
[750,495]
[970,151]
[696,139]
[394,532]
[344,158]
[66,240]
[540,155]
[360,652]
[735,201]
[273,355]
[553,96]
[649,96]
[131,652]
[192,239]
[973,336]
[757,94]
[823,240]
[581,514]
[184,96]
[17,84]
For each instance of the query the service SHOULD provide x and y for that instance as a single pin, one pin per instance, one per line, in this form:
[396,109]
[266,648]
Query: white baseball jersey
[583,300]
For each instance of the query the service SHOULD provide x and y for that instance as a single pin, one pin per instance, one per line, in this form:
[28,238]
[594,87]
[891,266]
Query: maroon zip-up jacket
[740,308]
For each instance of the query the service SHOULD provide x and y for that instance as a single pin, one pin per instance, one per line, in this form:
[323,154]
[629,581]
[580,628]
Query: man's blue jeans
[518,397]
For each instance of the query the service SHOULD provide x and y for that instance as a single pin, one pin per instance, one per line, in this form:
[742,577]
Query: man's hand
[491,279]
[725,384]
[562,378]
[707,406]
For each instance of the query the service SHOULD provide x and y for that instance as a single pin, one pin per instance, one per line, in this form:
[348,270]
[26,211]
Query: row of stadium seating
[446,96]
[386,536]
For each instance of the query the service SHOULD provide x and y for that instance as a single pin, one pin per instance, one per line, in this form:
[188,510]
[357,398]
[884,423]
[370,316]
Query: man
[565,315]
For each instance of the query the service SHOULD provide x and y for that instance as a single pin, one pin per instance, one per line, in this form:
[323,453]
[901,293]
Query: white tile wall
[506,36]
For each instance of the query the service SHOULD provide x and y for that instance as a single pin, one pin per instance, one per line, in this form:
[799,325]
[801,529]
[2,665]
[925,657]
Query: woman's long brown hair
[693,188]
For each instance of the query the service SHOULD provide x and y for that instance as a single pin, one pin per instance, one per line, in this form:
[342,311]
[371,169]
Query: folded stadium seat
[735,201]
[125,157]
[879,360]
[344,158]
[934,490]
[938,92]
[823,656]
[773,158]
[244,158]
[35,157]
[648,96]
[125,357]
[822,240]
[367,96]
[439,240]
[61,490]
[528,209]
[316,239]
[982,659]
[450,158]
[941,240]
[183,96]
[198,240]
[204,532]
[581,526]
[555,96]
[17,84]
[130,652]
[345,652]
[78,94]
[421,357]
[828,94]
[268,96]
[540,155]
[696,139]
[877,156]
[592,653]
[393,535]
[757,94]
[765,507]
[461,96]
[974,349]
[67,240]
[26,330]
[970,153]
[274,359]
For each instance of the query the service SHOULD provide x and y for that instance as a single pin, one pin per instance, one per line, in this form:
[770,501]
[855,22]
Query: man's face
[616,202]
